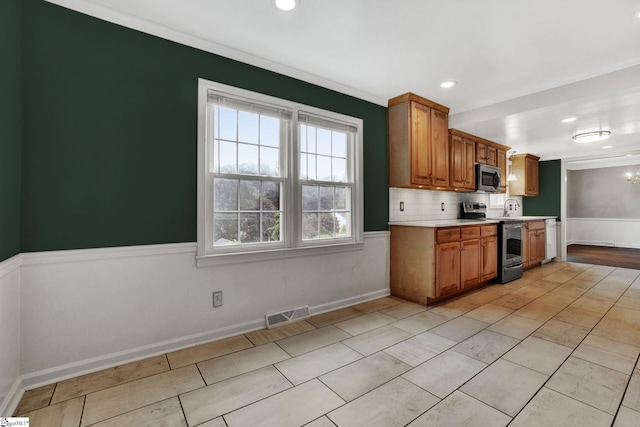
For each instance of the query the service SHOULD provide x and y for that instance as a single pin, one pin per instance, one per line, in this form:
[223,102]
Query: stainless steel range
[510,265]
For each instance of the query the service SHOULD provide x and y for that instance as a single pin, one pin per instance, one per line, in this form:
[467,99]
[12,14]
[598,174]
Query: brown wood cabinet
[534,243]
[525,167]
[418,143]
[428,264]
[462,163]
[486,153]
[502,164]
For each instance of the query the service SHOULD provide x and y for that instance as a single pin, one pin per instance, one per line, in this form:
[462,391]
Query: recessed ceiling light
[286,4]
[448,84]
[569,119]
[604,147]
[597,135]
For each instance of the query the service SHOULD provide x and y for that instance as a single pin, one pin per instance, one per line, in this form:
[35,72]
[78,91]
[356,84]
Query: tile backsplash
[426,205]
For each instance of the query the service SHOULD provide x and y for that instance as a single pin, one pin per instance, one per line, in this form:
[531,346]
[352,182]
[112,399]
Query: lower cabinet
[433,263]
[534,244]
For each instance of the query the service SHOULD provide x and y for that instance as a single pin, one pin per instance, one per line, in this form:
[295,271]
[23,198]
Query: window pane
[303,166]
[341,198]
[269,131]
[249,195]
[326,198]
[311,166]
[310,198]
[248,159]
[248,127]
[339,170]
[269,161]
[343,224]
[311,139]
[228,161]
[249,227]
[324,168]
[270,196]
[271,227]
[326,225]
[303,138]
[339,144]
[324,142]
[225,229]
[309,226]
[213,162]
[227,123]
[225,194]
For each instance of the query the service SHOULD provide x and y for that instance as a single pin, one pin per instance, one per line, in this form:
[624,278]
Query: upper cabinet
[418,143]
[525,168]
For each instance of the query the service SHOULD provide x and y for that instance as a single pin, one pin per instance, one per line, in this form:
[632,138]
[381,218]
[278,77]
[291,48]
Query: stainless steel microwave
[487,178]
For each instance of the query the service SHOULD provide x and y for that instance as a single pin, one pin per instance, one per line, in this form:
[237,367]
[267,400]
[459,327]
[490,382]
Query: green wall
[10,127]
[548,200]
[109,140]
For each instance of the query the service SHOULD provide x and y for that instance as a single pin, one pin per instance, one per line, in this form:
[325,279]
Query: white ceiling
[521,66]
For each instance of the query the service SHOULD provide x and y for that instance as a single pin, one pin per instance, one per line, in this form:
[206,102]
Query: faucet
[508,206]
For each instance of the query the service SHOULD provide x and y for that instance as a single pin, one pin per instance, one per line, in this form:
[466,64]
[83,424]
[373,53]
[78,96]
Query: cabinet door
[447,268]
[502,164]
[481,153]
[489,252]
[541,242]
[439,149]
[531,169]
[457,162]
[525,244]
[420,144]
[469,263]
[469,164]
[492,156]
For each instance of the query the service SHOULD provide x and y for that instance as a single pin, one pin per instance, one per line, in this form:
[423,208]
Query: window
[274,176]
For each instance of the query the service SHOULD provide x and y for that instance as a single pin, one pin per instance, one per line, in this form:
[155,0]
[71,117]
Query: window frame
[291,244]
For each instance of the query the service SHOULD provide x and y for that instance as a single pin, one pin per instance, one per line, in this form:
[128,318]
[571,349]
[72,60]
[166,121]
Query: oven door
[511,243]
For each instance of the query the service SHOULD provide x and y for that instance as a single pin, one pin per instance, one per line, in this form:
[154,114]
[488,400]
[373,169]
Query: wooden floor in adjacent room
[604,255]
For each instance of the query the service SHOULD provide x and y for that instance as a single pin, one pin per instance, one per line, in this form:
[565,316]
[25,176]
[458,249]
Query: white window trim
[294,209]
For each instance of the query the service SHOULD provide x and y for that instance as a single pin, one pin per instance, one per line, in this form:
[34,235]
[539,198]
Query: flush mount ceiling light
[569,120]
[286,4]
[597,135]
[448,84]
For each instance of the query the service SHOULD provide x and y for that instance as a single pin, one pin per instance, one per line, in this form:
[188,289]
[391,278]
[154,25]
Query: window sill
[274,254]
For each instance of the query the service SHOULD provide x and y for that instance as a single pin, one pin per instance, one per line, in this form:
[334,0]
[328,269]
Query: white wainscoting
[86,310]
[11,389]
[623,233]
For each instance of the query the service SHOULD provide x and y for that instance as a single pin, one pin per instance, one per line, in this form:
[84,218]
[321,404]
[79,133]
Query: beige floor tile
[420,348]
[574,288]
[333,317]
[615,286]
[489,313]
[561,276]
[562,333]
[628,302]
[611,354]
[530,291]
[291,408]
[479,297]
[515,326]
[538,310]
[486,346]
[101,380]
[133,395]
[377,339]
[444,373]
[537,354]
[320,422]
[191,355]
[505,386]
[578,316]
[221,398]
[634,290]
[376,305]
[216,422]
[514,285]
[555,299]
[589,383]
[64,414]
[627,418]
[596,300]
[501,290]
[312,340]
[453,308]
[512,302]
[35,399]
[420,322]
[265,336]
[620,324]
[391,405]
[241,362]
[552,409]
[459,329]
[632,395]
[365,323]
[401,311]
[461,410]
[318,362]
[166,413]
[360,377]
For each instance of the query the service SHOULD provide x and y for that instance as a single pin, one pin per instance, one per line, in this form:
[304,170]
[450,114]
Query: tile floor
[558,347]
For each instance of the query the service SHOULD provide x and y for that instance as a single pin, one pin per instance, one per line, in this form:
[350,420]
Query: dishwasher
[551,248]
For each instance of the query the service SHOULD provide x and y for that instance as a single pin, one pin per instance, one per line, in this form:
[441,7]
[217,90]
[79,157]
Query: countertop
[460,222]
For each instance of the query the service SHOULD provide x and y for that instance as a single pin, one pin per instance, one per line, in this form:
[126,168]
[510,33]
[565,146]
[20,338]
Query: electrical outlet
[217,299]
[401,206]
[442,206]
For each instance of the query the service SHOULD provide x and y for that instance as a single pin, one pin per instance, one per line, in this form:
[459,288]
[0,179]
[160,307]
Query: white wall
[10,379]
[623,233]
[90,309]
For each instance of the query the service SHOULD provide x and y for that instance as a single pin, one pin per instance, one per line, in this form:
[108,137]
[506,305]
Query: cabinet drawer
[489,230]
[469,233]
[444,235]
[536,225]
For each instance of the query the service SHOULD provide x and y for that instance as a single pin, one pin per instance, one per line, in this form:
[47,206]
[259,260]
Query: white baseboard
[601,243]
[12,400]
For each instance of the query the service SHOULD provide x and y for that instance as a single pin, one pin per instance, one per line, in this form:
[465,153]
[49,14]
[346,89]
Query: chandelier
[633,179]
